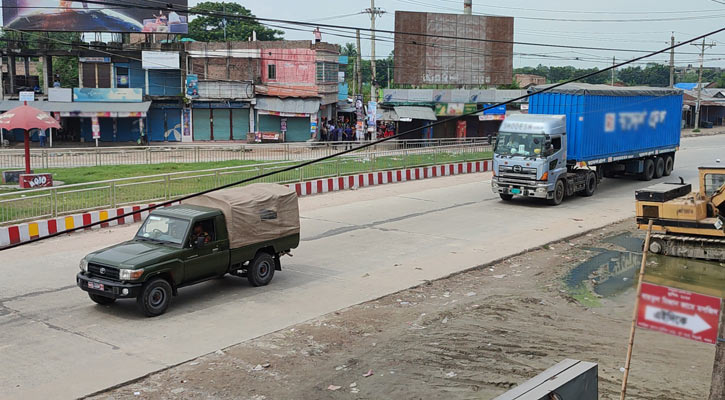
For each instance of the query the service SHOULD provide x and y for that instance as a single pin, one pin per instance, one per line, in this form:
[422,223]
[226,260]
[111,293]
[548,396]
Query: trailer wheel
[506,197]
[656,246]
[591,185]
[559,192]
[659,167]
[649,170]
[261,269]
[669,165]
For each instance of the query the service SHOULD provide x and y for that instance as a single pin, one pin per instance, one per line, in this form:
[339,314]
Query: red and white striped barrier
[31,230]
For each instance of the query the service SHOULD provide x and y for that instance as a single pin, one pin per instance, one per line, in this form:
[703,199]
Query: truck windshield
[519,144]
[163,229]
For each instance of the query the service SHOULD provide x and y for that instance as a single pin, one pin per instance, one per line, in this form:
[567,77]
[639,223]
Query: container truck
[577,134]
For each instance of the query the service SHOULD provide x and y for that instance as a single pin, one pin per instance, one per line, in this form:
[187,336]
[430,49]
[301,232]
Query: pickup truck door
[207,260]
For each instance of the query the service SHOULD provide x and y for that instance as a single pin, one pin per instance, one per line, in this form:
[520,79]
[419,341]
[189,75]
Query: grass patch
[584,296]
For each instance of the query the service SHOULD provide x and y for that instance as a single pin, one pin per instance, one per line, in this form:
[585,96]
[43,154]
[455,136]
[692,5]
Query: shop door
[201,124]
[298,129]
[222,129]
[240,123]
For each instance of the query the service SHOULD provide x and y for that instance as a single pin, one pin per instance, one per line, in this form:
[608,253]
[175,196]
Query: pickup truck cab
[241,231]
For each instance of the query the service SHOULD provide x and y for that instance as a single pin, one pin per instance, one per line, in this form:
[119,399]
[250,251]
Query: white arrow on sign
[693,323]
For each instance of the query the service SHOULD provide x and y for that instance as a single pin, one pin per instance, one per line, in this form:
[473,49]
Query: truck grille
[517,172]
[103,271]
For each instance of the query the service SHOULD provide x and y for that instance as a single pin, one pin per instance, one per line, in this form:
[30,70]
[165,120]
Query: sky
[646,25]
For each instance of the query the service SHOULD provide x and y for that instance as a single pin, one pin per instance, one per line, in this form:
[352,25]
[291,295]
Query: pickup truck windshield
[164,229]
[519,144]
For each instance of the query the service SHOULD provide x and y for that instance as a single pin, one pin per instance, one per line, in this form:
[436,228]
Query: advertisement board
[160,59]
[63,95]
[111,95]
[80,16]
[192,86]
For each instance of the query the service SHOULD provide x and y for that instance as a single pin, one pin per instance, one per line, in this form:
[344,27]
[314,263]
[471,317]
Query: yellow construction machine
[686,223]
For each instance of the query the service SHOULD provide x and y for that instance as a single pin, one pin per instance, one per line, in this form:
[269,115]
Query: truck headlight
[129,274]
[83,265]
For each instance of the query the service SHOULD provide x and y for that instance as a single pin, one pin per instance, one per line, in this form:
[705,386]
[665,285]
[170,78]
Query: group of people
[337,131]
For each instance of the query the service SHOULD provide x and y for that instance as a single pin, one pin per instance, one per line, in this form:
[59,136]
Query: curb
[31,230]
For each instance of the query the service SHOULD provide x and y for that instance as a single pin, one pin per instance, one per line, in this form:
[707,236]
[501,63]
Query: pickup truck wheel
[559,192]
[506,197]
[659,167]
[649,170]
[591,185]
[102,300]
[261,270]
[154,298]
[669,165]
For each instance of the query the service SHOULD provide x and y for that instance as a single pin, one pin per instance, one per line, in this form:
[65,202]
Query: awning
[389,115]
[410,112]
[82,109]
[274,105]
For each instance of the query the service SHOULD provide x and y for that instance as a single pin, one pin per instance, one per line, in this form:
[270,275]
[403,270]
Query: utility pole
[672,60]
[388,75]
[699,80]
[717,386]
[359,64]
[614,62]
[374,12]
[468,7]
[354,76]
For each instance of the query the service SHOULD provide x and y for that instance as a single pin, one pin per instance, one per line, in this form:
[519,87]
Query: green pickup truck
[240,231]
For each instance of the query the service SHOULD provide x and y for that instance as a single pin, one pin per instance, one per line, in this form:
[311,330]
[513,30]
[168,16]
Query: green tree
[208,28]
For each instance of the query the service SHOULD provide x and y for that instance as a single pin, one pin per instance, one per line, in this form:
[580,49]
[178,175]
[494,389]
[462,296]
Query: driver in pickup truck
[199,232]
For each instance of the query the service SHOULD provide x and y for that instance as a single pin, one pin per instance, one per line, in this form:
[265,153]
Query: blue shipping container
[605,123]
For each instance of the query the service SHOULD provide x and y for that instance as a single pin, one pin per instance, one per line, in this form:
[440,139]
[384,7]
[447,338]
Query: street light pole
[699,81]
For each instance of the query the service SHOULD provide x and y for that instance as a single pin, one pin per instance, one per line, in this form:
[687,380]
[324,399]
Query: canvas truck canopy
[255,213]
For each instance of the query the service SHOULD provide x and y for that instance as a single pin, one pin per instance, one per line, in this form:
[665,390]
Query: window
[271,71]
[202,230]
[713,182]
[327,72]
[556,143]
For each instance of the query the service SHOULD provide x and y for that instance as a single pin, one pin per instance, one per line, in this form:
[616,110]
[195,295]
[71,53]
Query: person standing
[41,137]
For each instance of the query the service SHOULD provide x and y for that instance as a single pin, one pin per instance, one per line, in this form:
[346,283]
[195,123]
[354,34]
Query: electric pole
[699,80]
[672,60]
[374,12]
[359,65]
[614,62]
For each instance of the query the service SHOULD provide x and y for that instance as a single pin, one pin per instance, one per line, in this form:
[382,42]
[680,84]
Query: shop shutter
[240,120]
[221,124]
[201,123]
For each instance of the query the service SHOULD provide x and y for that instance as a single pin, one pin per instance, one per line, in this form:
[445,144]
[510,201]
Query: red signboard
[32,181]
[679,312]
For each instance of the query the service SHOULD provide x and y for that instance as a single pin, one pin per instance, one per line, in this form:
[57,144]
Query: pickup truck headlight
[83,265]
[130,274]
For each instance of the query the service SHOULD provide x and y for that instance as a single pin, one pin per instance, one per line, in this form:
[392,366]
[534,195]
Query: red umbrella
[27,118]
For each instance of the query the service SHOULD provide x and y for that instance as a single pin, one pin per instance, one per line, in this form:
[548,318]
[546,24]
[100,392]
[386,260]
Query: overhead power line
[366,145]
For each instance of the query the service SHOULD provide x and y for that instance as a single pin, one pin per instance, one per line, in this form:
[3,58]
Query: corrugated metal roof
[411,112]
[606,90]
[56,106]
[294,106]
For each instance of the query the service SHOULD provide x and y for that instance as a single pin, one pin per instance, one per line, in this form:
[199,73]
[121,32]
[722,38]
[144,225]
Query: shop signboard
[95,128]
[160,59]
[114,95]
[63,95]
[28,96]
[186,123]
[97,16]
[498,110]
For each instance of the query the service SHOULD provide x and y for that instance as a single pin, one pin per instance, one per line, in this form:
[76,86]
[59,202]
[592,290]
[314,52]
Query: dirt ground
[470,336]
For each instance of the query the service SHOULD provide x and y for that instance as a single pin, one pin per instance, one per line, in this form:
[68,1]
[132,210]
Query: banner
[81,16]
[192,86]
[160,59]
[113,95]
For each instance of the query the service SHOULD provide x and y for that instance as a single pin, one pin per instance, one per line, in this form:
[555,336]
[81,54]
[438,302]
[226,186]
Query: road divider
[24,232]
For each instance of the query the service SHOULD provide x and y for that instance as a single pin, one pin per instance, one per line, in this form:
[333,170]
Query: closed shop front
[164,122]
[296,113]
[220,121]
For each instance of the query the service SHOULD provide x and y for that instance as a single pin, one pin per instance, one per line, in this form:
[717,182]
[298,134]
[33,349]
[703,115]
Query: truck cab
[530,160]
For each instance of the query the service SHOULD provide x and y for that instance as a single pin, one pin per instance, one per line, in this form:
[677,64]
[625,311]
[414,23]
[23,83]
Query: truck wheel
[669,165]
[506,197]
[261,270]
[155,297]
[559,192]
[102,300]
[659,167]
[649,170]
[591,185]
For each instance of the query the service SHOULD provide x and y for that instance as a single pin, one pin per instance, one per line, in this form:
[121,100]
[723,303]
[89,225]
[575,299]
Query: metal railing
[44,158]
[35,204]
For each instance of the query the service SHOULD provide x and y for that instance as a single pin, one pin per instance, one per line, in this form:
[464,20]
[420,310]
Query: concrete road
[357,245]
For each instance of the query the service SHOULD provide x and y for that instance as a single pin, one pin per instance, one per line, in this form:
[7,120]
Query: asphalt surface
[356,246]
